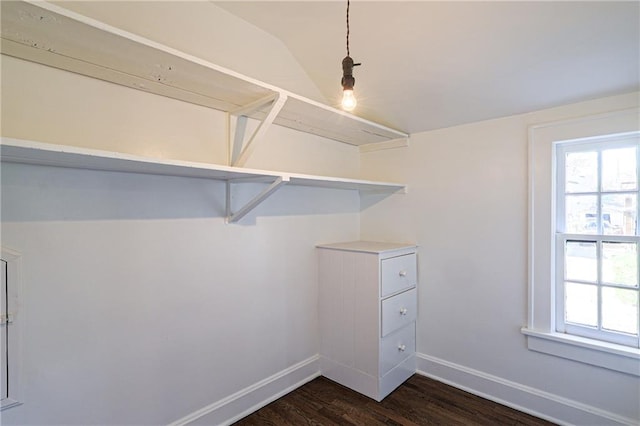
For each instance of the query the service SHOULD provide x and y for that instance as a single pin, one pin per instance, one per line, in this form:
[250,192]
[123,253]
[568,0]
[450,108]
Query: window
[583,233]
[11,323]
[4,328]
[597,239]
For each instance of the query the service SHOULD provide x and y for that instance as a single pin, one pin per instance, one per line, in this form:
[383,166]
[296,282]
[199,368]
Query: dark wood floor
[419,401]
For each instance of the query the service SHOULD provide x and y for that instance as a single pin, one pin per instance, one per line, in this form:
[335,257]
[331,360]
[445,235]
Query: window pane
[619,214]
[581,172]
[620,310]
[619,169]
[581,214]
[581,304]
[581,262]
[620,263]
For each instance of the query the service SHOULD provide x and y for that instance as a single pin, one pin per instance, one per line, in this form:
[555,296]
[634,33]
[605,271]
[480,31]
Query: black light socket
[348,81]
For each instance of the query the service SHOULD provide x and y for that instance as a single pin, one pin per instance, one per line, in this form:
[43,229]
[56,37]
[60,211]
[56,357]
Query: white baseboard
[545,405]
[246,401]
[538,403]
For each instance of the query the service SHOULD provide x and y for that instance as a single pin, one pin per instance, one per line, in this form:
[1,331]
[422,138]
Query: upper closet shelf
[37,153]
[48,34]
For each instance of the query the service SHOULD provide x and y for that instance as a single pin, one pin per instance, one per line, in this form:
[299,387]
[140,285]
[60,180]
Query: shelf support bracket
[237,155]
[255,201]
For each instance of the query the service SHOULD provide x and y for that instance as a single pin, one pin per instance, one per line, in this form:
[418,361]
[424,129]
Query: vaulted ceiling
[428,65]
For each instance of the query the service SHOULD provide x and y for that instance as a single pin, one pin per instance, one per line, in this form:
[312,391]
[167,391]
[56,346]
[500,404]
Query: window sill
[8,403]
[602,354]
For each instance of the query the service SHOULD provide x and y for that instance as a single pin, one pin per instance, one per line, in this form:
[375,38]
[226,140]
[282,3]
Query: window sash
[597,332]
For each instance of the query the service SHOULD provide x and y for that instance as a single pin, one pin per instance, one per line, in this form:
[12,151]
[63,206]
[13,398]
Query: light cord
[348,4]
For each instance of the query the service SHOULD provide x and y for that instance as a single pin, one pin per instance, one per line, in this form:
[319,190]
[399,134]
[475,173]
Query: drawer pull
[402,348]
[403,311]
[403,273]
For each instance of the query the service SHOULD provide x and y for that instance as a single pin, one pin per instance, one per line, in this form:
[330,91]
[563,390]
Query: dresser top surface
[368,246]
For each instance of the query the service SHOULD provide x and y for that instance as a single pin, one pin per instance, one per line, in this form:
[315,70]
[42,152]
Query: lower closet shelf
[38,153]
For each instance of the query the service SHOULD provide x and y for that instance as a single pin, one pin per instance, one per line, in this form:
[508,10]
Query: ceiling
[429,65]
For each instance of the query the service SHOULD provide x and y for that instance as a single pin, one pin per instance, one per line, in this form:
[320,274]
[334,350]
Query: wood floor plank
[419,401]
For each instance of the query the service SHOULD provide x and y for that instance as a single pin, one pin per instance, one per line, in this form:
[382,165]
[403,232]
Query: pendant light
[349,101]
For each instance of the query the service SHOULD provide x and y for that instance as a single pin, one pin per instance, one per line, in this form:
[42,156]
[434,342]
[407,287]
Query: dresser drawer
[396,347]
[398,311]
[397,274]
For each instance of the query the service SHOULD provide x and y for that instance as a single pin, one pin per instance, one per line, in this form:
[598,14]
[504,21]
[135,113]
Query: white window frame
[14,343]
[541,329]
[597,144]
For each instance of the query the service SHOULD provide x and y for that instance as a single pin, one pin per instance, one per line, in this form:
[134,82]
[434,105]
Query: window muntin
[597,281]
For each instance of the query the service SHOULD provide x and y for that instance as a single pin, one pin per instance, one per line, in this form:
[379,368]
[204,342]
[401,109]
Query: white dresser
[367,315]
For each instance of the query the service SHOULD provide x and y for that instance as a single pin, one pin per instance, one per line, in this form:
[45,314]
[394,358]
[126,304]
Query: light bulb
[348,100]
